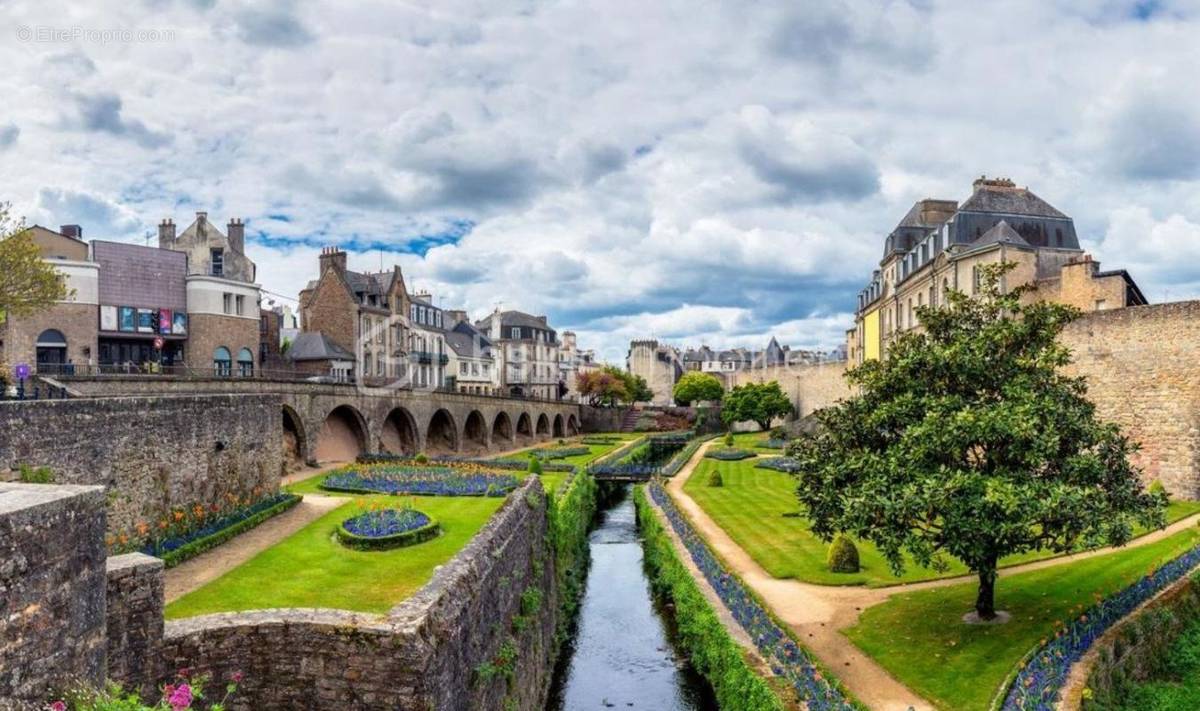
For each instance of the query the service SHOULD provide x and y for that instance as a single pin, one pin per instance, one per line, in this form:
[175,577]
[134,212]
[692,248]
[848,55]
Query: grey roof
[1010,201]
[516,318]
[314,345]
[467,346]
[1002,233]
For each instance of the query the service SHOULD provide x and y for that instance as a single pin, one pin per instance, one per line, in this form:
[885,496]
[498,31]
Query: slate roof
[1002,233]
[515,318]
[314,345]
[1009,200]
[466,346]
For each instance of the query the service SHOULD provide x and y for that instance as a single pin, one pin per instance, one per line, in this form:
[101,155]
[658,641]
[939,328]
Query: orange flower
[142,528]
[162,523]
[123,538]
[198,511]
[178,515]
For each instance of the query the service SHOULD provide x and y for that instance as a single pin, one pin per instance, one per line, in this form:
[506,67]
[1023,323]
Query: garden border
[191,549]
[396,540]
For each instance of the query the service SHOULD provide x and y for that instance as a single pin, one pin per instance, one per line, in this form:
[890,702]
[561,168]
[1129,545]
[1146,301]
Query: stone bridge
[335,422]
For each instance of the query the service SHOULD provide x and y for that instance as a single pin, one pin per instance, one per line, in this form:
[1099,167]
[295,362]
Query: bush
[843,555]
[40,475]
[1156,487]
[185,693]
[714,479]
[421,458]
[535,465]
[386,529]
[730,454]
[729,438]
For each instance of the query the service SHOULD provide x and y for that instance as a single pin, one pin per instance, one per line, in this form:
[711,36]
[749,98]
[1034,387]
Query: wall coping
[133,561]
[19,497]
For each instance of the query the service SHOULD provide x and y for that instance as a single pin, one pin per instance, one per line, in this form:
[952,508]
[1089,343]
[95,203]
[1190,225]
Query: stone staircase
[630,420]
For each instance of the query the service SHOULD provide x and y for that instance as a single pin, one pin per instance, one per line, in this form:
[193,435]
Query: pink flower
[181,698]
[237,677]
[58,706]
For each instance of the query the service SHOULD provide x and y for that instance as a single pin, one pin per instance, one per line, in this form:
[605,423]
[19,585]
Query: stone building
[940,245]
[659,364]
[223,300]
[428,353]
[573,362]
[472,365]
[526,349]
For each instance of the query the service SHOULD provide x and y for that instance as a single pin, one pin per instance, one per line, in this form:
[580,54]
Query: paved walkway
[210,565]
[818,613]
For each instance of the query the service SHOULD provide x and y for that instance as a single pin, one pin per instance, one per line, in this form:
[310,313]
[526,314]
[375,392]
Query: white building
[526,350]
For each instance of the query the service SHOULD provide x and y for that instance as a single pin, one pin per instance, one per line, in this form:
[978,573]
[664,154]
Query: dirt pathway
[209,566]
[817,613]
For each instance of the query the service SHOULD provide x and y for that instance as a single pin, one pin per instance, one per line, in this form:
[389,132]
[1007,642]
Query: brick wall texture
[150,453]
[78,322]
[52,588]
[208,331]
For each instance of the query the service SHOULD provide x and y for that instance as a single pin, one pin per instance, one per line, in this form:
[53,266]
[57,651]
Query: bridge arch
[543,425]
[572,425]
[524,425]
[295,441]
[399,434]
[559,430]
[502,430]
[441,436]
[475,432]
[343,435]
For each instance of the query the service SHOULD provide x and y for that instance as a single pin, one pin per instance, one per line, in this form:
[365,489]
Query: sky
[712,172]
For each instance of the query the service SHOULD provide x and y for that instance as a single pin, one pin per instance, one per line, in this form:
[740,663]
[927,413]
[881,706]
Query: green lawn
[311,569]
[750,508]
[919,637]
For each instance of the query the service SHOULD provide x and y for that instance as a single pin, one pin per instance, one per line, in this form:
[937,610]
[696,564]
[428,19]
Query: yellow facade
[870,344]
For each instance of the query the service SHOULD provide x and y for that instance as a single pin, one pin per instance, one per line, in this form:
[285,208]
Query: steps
[630,420]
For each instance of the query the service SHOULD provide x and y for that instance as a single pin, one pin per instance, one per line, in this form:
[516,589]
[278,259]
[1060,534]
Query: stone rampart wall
[134,621]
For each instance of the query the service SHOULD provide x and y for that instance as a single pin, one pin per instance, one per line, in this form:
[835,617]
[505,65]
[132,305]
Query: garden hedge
[730,454]
[200,545]
[383,543]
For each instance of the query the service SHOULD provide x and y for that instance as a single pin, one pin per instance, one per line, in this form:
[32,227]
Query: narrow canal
[623,653]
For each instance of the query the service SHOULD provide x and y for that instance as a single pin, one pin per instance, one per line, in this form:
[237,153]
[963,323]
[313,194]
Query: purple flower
[58,706]
[181,698]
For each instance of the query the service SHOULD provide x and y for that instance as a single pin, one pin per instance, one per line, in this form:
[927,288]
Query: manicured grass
[312,569]
[750,507]
[920,638]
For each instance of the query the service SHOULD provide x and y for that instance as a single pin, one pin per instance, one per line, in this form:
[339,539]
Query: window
[1057,236]
[367,362]
[227,303]
[1101,304]
[222,362]
[241,305]
[975,280]
[218,262]
[462,368]
[245,363]
[412,312]
[516,333]
[379,365]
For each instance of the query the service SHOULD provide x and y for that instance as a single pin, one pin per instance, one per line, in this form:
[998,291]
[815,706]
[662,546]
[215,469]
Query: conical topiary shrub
[535,465]
[714,479]
[843,555]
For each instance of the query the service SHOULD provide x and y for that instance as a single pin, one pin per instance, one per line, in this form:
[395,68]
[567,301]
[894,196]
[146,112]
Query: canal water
[623,655]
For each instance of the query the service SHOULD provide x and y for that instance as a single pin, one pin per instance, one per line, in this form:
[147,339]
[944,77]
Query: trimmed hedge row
[787,465]
[683,456]
[396,540]
[730,454]
[191,549]
[707,643]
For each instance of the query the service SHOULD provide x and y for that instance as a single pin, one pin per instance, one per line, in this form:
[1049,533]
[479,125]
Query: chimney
[237,235]
[166,233]
[72,231]
[456,316]
[333,258]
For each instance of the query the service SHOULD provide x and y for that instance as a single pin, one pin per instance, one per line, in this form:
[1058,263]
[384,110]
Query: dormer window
[218,262]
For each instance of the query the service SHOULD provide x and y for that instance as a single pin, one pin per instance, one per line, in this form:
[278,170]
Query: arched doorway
[245,363]
[559,430]
[222,362]
[399,433]
[475,432]
[343,436]
[524,426]
[572,426]
[51,351]
[502,432]
[294,444]
[442,435]
[543,425]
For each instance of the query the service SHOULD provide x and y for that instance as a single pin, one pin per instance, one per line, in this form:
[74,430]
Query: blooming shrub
[786,657]
[383,528]
[184,526]
[184,694]
[466,480]
[787,465]
[1040,678]
[729,454]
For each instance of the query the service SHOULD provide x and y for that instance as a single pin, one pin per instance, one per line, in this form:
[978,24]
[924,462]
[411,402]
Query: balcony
[429,358]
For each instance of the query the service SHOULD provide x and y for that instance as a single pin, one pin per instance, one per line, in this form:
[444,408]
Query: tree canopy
[755,402]
[30,283]
[610,386]
[969,440]
[696,387]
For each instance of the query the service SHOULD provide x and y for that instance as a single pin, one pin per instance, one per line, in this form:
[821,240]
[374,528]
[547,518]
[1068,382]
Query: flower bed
[787,465]
[682,457]
[787,658]
[1040,677]
[420,481]
[384,529]
[559,452]
[601,439]
[630,469]
[730,454]
[187,532]
[773,443]
[508,463]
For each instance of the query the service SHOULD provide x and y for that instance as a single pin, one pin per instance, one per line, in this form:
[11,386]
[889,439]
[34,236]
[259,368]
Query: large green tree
[601,388]
[755,402]
[695,386]
[28,282]
[969,440]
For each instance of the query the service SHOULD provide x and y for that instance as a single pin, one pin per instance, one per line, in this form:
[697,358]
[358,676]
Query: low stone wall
[150,453]
[52,590]
[601,419]
[444,648]
[134,621]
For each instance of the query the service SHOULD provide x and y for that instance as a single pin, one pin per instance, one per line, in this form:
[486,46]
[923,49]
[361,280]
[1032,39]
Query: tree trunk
[985,602]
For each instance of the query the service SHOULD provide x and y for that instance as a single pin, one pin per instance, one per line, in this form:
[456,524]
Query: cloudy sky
[698,172]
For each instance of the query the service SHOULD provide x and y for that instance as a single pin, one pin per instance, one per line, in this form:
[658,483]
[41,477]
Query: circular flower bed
[730,454]
[387,528]
[420,481]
